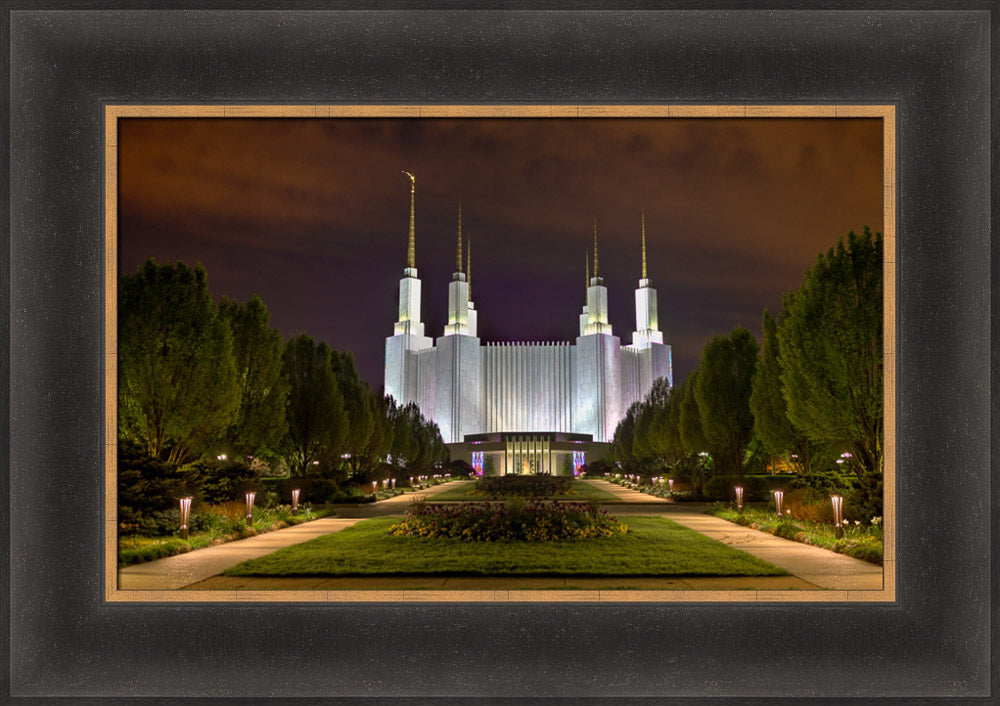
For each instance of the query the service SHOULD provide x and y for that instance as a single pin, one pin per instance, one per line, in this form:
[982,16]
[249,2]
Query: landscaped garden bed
[861,541]
[210,526]
[653,546]
[515,519]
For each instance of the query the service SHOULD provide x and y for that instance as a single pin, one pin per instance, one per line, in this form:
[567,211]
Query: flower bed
[515,519]
[523,486]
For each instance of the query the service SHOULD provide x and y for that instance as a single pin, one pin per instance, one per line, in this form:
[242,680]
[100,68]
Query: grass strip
[653,546]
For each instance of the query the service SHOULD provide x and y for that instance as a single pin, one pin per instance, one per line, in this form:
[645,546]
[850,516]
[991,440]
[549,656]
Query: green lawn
[653,546]
[583,491]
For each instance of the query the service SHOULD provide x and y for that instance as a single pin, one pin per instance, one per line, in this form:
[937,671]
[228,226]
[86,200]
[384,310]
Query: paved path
[184,569]
[820,567]
[627,495]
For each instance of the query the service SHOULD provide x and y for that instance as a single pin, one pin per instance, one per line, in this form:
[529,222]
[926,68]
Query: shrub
[148,492]
[512,520]
[525,486]
[222,481]
[723,488]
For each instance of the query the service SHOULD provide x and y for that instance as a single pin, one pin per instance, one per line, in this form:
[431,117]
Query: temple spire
[644,245]
[411,257]
[586,262]
[468,265]
[458,256]
[596,261]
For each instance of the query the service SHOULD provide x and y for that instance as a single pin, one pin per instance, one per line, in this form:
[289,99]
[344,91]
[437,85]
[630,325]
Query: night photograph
[500,354]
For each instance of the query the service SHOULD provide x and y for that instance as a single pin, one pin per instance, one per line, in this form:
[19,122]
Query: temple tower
[458,366]
[408,332]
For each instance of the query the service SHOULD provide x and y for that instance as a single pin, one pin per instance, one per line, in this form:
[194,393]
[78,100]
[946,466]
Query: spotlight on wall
[778,497]
[295,500]
[739,498]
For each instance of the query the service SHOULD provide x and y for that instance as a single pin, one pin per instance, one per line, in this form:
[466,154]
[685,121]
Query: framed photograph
[232,188]
[83,85]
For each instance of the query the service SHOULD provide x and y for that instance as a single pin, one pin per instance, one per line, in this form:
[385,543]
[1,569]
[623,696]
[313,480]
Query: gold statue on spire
[596,261]
[644,245]
[458,256]
[411,256]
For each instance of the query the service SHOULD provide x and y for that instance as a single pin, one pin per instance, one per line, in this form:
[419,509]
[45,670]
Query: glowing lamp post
[185,514]
[838,515]
[739,498]
[393,483]
[295,500]
[385,483]
[778,497]
[670,485]
[249,498]
[374,487]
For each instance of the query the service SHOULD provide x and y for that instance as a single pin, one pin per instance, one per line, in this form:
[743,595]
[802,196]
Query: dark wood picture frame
[65,640]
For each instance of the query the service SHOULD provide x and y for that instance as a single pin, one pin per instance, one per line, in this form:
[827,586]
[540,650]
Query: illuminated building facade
[522,407]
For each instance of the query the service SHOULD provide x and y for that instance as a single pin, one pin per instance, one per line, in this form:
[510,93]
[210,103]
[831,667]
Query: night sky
[312,215]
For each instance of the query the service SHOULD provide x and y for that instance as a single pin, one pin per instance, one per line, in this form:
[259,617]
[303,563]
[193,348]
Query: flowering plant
[514,519]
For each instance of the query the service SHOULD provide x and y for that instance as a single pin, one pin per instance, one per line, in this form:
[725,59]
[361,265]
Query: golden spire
[596,261]
[586,262]
[458,256]
[411,257]
[644,245]
[468,266]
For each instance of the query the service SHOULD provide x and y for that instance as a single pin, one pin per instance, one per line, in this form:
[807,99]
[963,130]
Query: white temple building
[522,407]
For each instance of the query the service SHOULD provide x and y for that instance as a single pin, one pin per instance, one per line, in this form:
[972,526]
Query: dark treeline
[202,385]
[811,395]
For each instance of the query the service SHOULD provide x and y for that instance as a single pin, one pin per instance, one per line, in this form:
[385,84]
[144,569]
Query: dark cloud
[312,215]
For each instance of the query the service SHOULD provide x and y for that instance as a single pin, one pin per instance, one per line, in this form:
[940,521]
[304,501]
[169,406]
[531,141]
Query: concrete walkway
[627,495]
[184,569]
[820,567]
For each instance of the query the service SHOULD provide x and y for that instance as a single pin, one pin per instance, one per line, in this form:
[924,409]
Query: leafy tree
[360,412]
[831,352]
[767,404]
[657,432]
[673,444]
[177,389]
[770,411]
[689,421]
[722,392]
[623,441]
[317,422]
[260,419]
[380,441]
